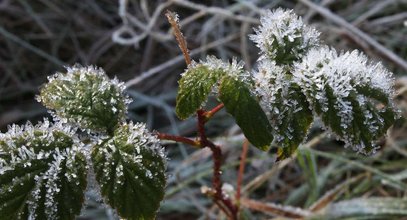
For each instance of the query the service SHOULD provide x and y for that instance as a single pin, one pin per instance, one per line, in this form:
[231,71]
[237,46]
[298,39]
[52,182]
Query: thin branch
[174,21]
[241,170]
[275,209]
[178,139]
[209,114]
[158,69]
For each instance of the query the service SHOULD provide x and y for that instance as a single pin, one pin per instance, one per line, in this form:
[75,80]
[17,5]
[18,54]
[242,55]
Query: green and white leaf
[286,107]
[130,169]
[350,95]
[86,97]
[244,106]
[194,87]
[42,172]
[282,36]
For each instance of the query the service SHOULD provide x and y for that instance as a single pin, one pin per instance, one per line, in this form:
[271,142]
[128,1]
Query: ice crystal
[283,37]
[343,89]
[86,97]
[46,159]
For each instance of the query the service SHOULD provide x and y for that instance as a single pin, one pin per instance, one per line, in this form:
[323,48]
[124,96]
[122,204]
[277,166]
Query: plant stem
[225,204]
[213,111]
[217,162]
[241,170]
[179,139]
[173,19]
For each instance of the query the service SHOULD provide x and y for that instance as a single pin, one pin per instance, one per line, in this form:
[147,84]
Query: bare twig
[275,209]
[177,60]
[174,21]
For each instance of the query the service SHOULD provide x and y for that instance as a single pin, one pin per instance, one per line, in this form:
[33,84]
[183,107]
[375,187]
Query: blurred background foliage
[133,41]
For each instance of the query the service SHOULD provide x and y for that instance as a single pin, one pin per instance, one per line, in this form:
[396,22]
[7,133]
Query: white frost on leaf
[283,37]
[54,144]
[85,95]
[344,74]
[234,68]
[130,142]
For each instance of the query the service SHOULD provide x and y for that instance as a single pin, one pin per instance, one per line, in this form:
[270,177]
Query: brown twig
[225,204]
[217,162]
[241,170]
[275,209]
[174,21]
[179,139]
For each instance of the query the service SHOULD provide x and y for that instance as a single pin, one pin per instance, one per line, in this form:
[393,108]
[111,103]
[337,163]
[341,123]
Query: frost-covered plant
[44,169]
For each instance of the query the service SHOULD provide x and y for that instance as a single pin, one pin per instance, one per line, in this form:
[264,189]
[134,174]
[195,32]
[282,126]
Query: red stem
[213,111]
[179,139]
[241,170]
[217,162]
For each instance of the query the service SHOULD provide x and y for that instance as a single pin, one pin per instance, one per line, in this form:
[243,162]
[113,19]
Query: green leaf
[245,108]
[130,168]
[194,87]
[352,96]
[42,173]
[291,124]
[86,97]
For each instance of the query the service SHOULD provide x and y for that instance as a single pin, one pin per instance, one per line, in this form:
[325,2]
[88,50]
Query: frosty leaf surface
[283,37]
[286,107]
[244,107]
[130,169]
[42,172]
[199,81]
[86,97]
[351,95]
[194,87]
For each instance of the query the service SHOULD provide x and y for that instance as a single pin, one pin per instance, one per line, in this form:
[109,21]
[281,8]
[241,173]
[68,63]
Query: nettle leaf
[283,37]
[350,95]
[285,105]
[42,172]
[243,105]
[130,168]
[194,87]
[86,97]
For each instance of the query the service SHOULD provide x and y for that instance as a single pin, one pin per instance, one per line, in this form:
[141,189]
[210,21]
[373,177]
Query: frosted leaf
[233,68]
[283,37]
[39,166]
[130,169]
[284,104]
[202,78]
[86,97]
[345,90]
